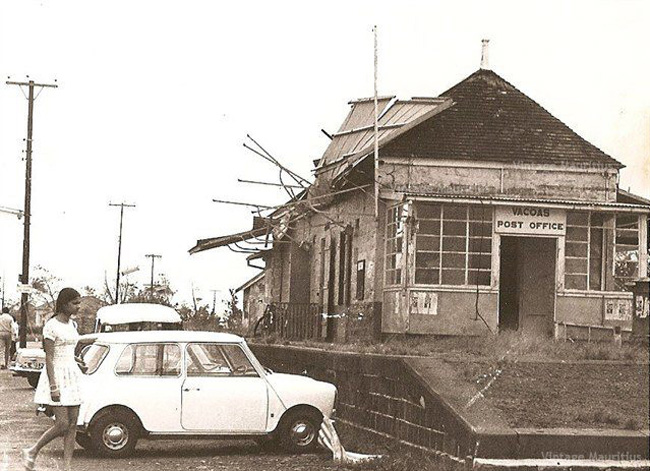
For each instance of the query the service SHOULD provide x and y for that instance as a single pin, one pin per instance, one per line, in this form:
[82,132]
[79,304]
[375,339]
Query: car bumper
[24,371]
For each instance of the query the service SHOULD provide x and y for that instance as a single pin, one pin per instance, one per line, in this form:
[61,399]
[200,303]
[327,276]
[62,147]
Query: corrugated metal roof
[356,134]
[510,199]
[623,196]
[251,282]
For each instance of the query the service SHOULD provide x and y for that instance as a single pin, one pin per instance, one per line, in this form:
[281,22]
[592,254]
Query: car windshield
[93,355]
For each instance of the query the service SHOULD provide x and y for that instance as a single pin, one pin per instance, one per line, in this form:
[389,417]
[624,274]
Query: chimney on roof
[485,61]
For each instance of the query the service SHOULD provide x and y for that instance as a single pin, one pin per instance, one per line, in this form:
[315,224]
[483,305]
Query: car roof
[147,336]
[137,312]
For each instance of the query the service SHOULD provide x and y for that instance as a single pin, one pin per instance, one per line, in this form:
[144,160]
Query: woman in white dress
[59,385]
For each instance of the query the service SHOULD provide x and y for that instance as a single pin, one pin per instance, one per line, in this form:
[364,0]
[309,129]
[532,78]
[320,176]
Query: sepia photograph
[344,235]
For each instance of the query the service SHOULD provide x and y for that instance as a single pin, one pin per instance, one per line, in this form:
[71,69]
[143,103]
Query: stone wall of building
[508,179]
[299,271]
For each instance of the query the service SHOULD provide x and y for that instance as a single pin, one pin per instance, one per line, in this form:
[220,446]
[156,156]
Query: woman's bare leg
[59,428]
[68,444]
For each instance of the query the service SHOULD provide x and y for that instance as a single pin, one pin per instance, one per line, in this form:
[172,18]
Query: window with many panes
[394,240]
[453,244]
[584,248]
[626,254]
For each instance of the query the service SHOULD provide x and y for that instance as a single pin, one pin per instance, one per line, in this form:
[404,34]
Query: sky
[155,99]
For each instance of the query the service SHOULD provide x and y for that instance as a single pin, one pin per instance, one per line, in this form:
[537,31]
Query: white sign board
[424,302]
[529,220]
[26,289]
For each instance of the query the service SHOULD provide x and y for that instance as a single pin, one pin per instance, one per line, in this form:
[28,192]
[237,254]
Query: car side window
[238,361]
[211,359]
[171,361]
[151,359]
[93,355]
[205,359]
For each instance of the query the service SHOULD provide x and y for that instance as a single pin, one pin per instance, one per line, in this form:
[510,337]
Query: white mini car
[174,384]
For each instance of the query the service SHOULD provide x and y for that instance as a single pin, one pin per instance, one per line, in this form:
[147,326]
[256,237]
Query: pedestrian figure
[59,385]
[6,332]
[15,335]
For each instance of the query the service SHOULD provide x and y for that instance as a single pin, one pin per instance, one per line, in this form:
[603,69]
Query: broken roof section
[355,138]
[214,242]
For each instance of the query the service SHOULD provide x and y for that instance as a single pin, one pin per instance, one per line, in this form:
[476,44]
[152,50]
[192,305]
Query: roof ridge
[584,144]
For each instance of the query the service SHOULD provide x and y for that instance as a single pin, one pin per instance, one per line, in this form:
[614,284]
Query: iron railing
[295,321]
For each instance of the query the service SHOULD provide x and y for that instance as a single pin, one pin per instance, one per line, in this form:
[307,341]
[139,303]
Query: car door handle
[191,389]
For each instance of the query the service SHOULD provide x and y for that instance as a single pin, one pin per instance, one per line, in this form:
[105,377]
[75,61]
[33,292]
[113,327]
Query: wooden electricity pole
[153,257]
[119,248]
[24,276]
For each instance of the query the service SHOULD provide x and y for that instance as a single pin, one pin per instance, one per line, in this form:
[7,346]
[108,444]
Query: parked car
[29,363]
[188,384]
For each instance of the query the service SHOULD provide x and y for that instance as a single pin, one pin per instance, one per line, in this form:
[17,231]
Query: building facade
[481,213]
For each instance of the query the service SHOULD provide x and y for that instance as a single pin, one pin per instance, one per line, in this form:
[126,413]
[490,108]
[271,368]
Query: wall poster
[423,302]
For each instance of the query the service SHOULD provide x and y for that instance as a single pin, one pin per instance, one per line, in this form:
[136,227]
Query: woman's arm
[48,346]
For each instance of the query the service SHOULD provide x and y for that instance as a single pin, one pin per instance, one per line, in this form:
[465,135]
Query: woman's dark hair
[65,296]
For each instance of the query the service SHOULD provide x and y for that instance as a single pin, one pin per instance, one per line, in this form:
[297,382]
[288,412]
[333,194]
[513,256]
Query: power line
[24,276]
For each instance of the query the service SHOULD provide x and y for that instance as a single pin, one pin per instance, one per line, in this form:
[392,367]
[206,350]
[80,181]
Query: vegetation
[504,346]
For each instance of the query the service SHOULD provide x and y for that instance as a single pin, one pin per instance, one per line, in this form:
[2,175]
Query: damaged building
[481,213]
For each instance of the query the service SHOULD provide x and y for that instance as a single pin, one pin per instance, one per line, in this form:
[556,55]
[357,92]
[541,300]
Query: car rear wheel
[114,433]
[32,379]
[84,441]
[299,431]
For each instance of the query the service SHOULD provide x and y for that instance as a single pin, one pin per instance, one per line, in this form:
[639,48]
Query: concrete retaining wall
[403,399]
[381,394]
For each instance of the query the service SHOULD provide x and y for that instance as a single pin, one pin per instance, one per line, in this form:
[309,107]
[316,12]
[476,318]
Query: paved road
[19,427]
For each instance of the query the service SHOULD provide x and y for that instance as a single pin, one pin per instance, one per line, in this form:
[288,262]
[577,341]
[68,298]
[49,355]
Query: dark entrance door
[527,284]
[509,285]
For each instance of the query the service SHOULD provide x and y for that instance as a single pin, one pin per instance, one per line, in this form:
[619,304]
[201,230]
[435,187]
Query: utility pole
[153,257]
[119,247]
[214,301]
[24,276]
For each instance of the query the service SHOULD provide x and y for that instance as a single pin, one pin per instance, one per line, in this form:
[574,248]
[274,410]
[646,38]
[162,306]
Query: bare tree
[46,286]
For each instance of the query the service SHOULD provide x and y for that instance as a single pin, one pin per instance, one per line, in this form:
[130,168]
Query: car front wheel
[114,433]
[299,432]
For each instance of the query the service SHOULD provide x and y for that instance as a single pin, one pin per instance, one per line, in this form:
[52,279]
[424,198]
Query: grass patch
[506,346]
[603,416]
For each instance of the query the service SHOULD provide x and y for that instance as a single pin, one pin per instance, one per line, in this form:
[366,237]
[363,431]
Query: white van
[29,362]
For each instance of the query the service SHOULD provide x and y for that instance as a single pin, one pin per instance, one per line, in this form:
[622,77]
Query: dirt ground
[19,427]
[596,394]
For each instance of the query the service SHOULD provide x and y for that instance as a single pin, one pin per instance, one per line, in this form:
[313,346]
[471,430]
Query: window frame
[589,227]
[638,250]
[395,218]
[447,225]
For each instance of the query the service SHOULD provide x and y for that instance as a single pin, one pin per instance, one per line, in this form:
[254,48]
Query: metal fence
[296,321]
